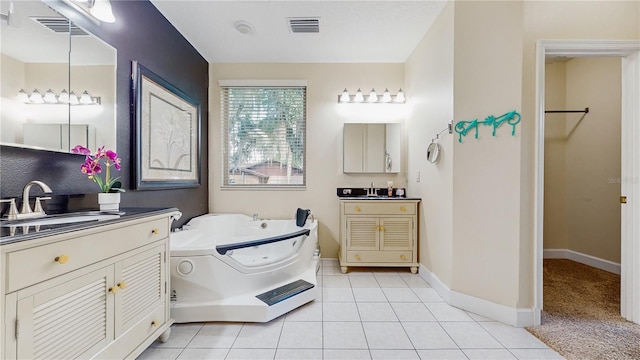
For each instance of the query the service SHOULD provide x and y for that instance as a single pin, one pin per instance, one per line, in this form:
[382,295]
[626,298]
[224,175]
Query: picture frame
[167,133]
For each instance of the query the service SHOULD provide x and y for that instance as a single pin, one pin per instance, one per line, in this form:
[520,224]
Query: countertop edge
[130,215]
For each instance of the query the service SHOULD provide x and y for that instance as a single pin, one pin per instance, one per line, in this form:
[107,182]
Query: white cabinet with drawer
[100,292]
[378,233]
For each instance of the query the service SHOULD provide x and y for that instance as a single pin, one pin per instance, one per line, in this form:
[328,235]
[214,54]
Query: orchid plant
[94,163]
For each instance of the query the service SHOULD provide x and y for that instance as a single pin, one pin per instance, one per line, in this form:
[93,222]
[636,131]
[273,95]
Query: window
[263,136]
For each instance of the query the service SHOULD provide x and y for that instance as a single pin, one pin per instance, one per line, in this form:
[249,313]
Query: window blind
[263,136]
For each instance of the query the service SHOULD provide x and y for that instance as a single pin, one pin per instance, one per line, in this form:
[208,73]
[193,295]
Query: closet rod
[586,111]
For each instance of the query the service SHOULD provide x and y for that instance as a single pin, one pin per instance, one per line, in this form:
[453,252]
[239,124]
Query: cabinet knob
[122,285]
[381,228]
[114,289]
[402,208]
[62,259]
[358,208]
[155,231]
[358,257]
[154,323]
[402,257]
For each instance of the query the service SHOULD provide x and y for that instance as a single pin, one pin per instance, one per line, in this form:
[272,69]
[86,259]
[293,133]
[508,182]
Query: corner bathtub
[223,265]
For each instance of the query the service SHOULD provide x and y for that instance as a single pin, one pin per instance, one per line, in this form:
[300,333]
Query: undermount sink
[67,218]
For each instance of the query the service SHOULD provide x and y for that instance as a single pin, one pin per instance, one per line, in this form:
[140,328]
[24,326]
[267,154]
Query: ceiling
[350,31]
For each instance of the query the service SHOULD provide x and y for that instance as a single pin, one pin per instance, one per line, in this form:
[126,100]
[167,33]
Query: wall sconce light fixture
[50,97]
[94,9]
[372,98]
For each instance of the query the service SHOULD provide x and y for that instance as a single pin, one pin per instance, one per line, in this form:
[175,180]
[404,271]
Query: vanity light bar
[372,98]
[49,97]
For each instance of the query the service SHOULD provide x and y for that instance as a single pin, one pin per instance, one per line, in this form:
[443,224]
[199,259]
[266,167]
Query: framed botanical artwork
[167,133]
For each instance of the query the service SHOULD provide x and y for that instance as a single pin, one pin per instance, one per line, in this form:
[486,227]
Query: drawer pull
[358,208]
[122,285]
[155,231]
[154,323]
[358,257]
[114,289]
[402,257]
[402,208]
[62,259]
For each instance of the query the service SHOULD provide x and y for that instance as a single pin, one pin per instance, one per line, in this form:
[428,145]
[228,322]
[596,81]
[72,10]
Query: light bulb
[73,98]
[400,96]
[22,96]
[36,97]
[373,97]
[50,97]
[86,99]
[345,96]
[101,10]
[358,97]
[64,97]
[386,96]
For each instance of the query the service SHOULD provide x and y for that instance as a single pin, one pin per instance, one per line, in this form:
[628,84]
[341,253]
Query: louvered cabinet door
[141,278]
[362,233]
[141,299]
[396,233]
[61,319]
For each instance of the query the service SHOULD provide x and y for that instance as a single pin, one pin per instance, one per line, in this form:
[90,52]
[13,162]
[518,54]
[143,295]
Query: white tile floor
[366,314]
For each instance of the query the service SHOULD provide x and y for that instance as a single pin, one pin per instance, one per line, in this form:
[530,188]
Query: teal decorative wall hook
[512,118]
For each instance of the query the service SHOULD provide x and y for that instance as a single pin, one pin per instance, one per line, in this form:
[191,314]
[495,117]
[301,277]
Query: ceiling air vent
[59,25]
[304,25]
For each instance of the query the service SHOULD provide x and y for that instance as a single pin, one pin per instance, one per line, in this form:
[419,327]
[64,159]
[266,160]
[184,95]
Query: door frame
[629,51]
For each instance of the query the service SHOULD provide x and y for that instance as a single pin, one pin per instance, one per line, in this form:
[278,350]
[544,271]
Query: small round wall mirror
[433,152]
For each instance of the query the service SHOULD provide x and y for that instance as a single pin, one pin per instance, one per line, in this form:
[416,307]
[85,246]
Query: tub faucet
[25,211]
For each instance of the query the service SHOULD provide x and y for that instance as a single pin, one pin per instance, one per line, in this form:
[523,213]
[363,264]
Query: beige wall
[325,118]
[555,159]
[486,171]
[13,79]
[593,157]
[429,78]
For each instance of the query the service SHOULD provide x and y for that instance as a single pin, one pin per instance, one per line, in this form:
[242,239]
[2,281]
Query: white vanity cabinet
[100,292]
[378,233]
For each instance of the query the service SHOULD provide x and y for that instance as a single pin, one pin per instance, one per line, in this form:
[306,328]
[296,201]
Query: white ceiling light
[101,10]
[244,27]
[95,10]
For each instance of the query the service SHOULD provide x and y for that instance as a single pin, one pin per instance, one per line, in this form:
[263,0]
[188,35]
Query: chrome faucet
[255,217]
[372,190]
[38,211]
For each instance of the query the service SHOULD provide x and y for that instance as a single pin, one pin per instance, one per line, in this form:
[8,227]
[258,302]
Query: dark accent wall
[140,33]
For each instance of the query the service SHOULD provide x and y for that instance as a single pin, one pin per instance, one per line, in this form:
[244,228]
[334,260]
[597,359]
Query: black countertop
[385,198]
[12,234]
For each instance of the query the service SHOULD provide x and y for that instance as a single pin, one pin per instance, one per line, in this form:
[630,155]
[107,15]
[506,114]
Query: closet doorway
[616,178]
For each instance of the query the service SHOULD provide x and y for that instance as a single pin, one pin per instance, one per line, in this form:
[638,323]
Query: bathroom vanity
[96,289]
[378,231]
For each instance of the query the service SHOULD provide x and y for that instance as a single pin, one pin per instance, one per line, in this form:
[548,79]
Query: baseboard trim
[519,317]
[589,260]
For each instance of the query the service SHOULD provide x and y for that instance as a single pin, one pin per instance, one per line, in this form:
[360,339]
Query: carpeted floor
[581,317]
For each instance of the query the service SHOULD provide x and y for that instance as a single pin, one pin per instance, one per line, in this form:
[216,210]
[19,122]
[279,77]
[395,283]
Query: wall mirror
[433,152]
[42,50]
[372,148]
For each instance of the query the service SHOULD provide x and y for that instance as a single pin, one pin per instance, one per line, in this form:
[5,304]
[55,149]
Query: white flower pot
[109,201]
